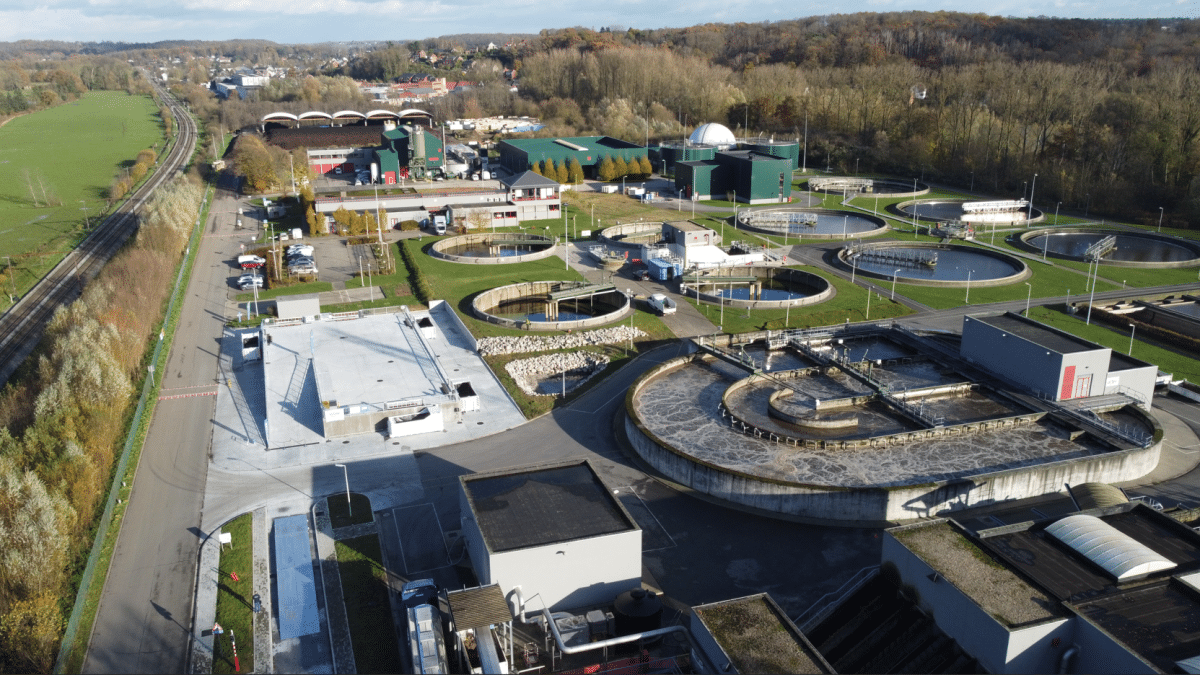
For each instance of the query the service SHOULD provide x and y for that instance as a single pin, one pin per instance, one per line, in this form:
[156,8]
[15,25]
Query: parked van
[439,224]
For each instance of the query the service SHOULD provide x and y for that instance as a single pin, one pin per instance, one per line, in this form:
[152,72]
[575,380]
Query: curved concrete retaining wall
[898,209]
[1022,242]
[745,218]
[438,249]
[823,290]
[880,504]
[1021,275]
[529,291]
[606,235]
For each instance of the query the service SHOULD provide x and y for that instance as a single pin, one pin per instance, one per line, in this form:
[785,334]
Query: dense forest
[1106,113]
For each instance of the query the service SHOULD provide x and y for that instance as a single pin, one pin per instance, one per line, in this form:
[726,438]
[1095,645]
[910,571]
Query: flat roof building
[556,531]
[518,155]
[1112,590]
[1052,363]
[753,635]
[753,177]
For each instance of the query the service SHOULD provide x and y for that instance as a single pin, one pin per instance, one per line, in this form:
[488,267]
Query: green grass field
[76,148]
[73,151]
[365,591]
[234,597]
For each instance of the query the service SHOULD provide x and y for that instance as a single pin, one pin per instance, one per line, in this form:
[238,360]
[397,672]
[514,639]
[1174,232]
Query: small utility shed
[556,531]
[1051,362]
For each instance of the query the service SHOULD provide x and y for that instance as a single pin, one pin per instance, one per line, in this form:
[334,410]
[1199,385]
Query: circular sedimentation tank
[884,187]
[951,210]
[631,235]
[1128,249]
[493,248]
[756,287]
[862,429]
[933,264]
[551,305]
[811,223]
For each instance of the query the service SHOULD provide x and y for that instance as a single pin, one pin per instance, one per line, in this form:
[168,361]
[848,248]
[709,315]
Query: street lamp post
[346,473]
[895,275]
[1028,295]
[12,276]
[1032,187]
[1160,215]
[1092,298]
[972,181]
[1132,330]
[968,299]
[1056,206]
[1087,203]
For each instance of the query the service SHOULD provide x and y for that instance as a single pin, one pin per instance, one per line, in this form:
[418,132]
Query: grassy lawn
[364,587]
[1179,365]
[359,510]
[76,148]
[234,603]
[850,302]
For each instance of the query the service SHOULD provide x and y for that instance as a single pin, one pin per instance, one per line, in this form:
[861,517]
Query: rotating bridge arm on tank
[863,373]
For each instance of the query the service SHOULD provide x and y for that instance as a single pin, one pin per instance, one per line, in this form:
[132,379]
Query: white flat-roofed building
[556,531]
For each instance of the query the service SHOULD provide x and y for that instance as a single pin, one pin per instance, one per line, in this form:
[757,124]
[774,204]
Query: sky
[309,21]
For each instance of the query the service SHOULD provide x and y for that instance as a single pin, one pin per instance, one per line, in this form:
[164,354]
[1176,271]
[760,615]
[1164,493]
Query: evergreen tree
[645,168]
[536,167]
[574,172]
[607,170]
[620,167]
[562,175]
[548,169]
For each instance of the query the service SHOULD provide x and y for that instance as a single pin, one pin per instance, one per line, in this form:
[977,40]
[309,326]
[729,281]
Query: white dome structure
[713,134]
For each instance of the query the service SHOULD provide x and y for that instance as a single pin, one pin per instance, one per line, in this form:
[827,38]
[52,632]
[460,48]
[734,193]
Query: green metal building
[754,177]
[669,154]
[521,154]
[409,152]
[767,146]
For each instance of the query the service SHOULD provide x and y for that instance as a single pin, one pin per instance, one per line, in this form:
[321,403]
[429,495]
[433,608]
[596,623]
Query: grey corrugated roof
[478,607]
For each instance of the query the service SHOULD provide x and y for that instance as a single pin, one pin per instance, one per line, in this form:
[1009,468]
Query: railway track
[22,326]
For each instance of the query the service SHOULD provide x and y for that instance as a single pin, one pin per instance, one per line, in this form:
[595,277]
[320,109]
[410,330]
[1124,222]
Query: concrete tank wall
[438,249]
[823,289]
[1021,275]
[1023,243]
[606,235]
[873,505]
[527,290]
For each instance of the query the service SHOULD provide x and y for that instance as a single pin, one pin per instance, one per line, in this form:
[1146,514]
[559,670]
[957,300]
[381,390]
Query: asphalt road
[145,611]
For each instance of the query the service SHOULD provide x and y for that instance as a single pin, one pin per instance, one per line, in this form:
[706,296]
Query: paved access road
[145,611]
